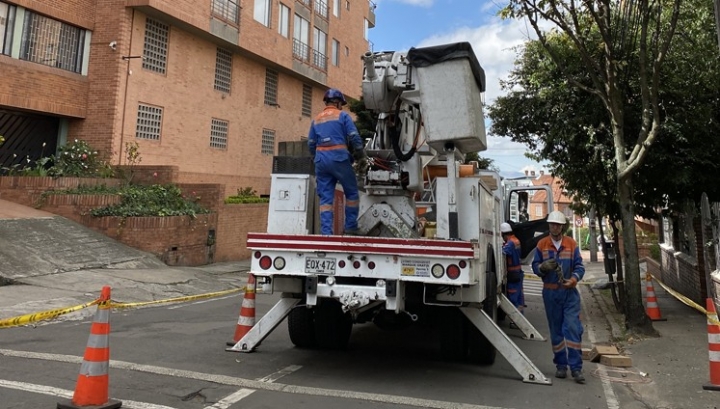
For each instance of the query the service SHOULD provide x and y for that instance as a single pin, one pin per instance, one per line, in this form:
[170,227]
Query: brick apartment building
[210,86]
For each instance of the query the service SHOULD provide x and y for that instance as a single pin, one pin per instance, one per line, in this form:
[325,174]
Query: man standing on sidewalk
[559,263]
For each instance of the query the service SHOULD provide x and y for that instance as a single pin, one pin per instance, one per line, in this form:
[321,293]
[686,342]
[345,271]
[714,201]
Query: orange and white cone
[651,306]
[246,320]
[93,382]
[713,346]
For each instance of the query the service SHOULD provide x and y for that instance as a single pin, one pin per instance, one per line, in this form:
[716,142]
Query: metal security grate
[218,133]
[268,142]
[306,100]
[223,70]
[149,122]
[51,42]
[271,87]
[156,46]
[227,10]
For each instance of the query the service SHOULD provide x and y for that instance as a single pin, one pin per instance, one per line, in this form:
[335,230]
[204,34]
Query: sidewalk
[668,371]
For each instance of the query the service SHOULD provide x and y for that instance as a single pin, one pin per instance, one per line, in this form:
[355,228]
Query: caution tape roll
[42,316]
[52,314]
[685,300]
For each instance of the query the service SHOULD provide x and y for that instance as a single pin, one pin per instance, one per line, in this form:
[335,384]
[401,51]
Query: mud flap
[512,353]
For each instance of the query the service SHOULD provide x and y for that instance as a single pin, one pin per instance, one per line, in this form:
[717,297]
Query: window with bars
[321,8]
[156,46]
[223,70]
[268,142]
[227,10]
[149,122]
[306,100]
[218,133]
[51,42]
[271,87]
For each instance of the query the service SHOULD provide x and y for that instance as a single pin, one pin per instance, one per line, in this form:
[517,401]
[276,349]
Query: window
[51,42]
[268,142]
[336,8]
[7,23]
[149,122]
[271,87]
[321,9]
[319,49]
[284,21]
[301,38]
[156,46]
[538,210]
[306,100]
[223,70]
[335,52]
[218,133]
[263,12]
[227,10]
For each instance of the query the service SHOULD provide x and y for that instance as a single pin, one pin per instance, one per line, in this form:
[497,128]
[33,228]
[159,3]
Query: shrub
[655,252]
[246,195]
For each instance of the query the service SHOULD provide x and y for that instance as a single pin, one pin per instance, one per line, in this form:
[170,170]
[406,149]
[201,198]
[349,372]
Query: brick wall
[74,207]
[234,222]
[27,190]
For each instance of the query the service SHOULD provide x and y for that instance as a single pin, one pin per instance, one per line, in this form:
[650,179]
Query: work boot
[561,373]
[578,376]
[352,232]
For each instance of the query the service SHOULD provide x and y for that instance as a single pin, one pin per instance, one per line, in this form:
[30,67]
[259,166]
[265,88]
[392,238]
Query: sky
[401,24]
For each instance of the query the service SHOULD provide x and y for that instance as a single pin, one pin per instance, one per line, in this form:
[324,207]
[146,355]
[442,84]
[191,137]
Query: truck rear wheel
[332,325]
[301,326]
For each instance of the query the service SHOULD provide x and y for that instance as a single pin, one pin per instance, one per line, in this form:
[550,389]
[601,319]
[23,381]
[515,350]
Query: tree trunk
[636,320]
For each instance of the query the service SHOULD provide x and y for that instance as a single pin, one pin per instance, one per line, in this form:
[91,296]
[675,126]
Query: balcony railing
[306,3]
[301,51]
[319,60]
[321,9]
[227,10]
[310,56]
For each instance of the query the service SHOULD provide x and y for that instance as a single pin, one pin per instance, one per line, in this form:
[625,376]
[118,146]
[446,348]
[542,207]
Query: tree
[365,119]
[626,31]
[483,163]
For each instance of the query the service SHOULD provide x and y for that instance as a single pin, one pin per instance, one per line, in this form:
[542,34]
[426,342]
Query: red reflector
[356,264]
[257,254]
[453,272]
[462,264]
[341,263]
[371,265]
[265,262]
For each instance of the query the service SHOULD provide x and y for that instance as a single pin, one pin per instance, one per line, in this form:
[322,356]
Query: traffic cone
[246,320]
[651,306]
[713,346]
[92,383]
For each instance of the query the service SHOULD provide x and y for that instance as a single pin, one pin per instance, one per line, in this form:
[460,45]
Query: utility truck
[429,252]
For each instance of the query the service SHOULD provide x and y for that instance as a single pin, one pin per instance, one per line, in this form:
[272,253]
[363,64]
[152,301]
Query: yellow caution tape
[41,316]
[687,301]
[176,299]
[534,277]
[52,314]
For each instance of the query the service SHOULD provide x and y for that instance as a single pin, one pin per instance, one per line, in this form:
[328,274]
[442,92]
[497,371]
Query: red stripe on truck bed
[358,244]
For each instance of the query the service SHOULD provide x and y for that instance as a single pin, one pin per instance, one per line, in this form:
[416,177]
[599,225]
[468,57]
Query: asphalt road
[173,356]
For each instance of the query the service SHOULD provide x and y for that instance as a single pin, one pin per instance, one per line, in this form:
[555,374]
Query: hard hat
[333,93]
[557,217]
[505,228]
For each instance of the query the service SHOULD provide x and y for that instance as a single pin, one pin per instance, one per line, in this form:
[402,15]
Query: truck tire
[453,333]
[481,351]
[301,326]
[332,325]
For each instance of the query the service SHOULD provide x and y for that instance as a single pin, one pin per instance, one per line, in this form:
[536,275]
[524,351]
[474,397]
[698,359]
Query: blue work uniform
[562,306]
[330,133]
[515,275]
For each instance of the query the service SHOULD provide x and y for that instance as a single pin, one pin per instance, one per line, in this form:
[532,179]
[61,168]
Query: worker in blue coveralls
[332,138]
[511,250]
[558,262]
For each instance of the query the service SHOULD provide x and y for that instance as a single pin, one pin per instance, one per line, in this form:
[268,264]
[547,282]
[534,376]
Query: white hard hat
[505,228]
[557,217]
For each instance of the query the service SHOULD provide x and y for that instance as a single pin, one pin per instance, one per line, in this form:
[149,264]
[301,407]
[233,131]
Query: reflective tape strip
[247,321]
[715,356]
[248,303]
[650,294]
[102,315]
[94,368]
[652,304]
[98,341]
[559,347]
[714,338]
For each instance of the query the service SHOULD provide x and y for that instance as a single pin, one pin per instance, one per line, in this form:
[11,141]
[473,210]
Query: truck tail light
[453,272]
[341,263]
[437,270]
[462,264]
[356,264]
[257,254]
[265,262]
[279,263]
[371,265]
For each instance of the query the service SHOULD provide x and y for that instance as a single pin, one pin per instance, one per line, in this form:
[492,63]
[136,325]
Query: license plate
[316,265]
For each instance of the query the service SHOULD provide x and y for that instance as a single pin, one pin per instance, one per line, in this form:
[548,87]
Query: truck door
[521,211]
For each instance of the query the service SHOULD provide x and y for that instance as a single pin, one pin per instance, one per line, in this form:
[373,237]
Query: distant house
[539,202]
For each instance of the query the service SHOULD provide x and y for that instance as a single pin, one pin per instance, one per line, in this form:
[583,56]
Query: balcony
[309,56]
[226,10]
[371,14]
[306,3]
[319,60]
[321,9]
[301,51]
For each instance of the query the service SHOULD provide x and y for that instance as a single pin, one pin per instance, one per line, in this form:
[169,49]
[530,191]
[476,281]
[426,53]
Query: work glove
[548,266]
[359,154]
[571,283]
